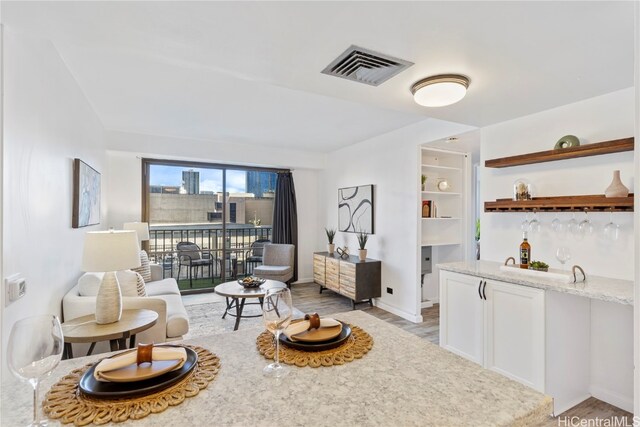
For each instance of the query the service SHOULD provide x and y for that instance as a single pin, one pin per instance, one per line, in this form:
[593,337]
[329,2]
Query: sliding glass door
[207,222]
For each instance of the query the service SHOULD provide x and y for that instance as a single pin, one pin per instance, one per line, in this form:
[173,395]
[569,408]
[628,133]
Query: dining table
[403,380]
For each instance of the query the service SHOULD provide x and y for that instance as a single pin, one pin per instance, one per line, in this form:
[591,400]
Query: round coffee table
[85,330]
[237,295]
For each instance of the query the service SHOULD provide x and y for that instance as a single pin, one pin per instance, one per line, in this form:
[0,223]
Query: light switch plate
[15,288]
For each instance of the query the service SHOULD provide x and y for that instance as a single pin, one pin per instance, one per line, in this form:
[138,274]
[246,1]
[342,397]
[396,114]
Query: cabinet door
[318,269]
[461,315]
[332,274]
[348,279]
[515,324]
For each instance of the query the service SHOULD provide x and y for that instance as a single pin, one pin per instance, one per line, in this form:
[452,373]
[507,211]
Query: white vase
[616,188]
[331,247]
[362,254]
[109,300]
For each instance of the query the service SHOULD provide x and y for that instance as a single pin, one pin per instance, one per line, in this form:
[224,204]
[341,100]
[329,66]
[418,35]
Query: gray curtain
[285,216]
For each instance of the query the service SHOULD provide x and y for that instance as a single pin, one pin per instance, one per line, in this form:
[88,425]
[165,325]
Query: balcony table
[404,380]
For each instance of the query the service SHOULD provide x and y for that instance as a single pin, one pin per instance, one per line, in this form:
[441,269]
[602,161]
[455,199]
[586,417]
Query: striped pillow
[140,286]
[144,269]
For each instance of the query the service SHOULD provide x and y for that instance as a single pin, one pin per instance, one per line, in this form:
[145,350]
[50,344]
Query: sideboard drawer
[332,266]
[348,269]
[332,281]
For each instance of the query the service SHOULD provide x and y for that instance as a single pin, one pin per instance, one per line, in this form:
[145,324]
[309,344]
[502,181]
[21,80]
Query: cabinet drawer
[347,281]
[332,281]
[319,258]
[332,266]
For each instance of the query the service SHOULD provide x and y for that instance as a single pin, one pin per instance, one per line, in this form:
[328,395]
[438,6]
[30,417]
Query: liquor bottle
[525,251]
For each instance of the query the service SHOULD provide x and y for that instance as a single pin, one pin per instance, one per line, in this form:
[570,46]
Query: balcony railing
[227,253]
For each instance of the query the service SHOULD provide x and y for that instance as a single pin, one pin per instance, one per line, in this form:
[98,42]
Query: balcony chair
[277,263]
[190,255]
[253,256]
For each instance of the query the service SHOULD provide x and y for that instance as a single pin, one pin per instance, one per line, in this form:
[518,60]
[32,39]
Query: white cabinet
[498,325]
[514,324]
[461,316]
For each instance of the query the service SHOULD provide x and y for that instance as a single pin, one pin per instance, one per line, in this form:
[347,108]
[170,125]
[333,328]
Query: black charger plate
[89,385]
[319,346]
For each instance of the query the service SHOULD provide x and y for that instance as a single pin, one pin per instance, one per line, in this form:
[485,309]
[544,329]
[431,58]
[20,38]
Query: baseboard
[398,312]
[613,398]
[559,406]
[426,304]
[305,280]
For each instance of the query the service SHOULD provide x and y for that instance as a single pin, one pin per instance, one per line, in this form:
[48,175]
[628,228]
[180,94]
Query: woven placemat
[67,403]
[358,344]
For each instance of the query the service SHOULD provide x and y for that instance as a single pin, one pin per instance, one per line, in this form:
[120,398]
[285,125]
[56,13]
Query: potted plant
[331,233]
[362,242]
[424,182]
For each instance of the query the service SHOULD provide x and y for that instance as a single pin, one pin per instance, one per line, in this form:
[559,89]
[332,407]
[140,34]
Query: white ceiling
[250,71]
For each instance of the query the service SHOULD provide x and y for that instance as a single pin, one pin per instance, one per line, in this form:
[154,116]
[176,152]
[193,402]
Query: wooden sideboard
[357,280]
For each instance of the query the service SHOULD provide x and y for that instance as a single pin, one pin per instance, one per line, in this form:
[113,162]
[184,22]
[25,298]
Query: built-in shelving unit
[595,149]
[443,238]
[596,203]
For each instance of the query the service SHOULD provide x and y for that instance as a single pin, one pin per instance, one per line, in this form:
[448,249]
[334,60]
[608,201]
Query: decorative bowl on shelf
[251,281]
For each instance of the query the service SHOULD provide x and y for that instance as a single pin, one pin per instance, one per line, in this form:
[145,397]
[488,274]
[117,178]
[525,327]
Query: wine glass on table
[563,254]
[277,311]
[35,349]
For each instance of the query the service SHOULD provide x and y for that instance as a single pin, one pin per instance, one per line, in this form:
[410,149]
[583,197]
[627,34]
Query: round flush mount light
[441,90]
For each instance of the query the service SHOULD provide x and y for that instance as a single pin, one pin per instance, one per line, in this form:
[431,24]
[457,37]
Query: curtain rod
[212,165]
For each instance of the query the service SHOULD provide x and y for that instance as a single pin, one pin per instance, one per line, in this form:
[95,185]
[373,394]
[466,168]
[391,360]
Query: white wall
[48,122]
[636,311]
[598,119]
[390,163]
[125,182]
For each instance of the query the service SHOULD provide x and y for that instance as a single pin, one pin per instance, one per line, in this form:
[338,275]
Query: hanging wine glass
[586,226]
[524,226]
[557,225]
[534,224]
[611,230]
[572,225]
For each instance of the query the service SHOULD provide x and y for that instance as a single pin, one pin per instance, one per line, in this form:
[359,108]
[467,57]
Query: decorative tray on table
[251,281]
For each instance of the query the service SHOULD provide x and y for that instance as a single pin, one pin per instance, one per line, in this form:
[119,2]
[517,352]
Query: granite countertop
[595,287]
[404,380]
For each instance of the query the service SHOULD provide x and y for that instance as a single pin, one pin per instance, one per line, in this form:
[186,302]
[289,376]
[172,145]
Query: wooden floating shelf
[595,203]
[595,149]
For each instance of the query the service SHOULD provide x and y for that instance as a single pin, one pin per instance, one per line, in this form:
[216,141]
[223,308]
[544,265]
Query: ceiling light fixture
[441,90]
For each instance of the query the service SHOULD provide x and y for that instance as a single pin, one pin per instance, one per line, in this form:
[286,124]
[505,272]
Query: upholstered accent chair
[277,263]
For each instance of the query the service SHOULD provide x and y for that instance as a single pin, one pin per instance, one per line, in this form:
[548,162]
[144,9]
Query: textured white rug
[206,319]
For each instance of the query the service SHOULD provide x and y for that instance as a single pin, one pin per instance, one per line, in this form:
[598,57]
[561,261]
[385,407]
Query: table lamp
[110,251]
[142,228]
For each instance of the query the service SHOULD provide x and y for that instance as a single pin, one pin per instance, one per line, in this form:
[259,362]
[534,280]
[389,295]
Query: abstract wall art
[86,195]
[355,209]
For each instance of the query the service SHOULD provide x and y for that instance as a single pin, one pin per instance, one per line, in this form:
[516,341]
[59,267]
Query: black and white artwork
[355,209]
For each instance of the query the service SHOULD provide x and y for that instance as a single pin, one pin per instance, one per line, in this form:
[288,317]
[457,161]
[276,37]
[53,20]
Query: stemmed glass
[611,230]
[563,254]
[585,226]
[556,224]
[35,349]
[524,226]
[572,225]
[277,311]
[534,224]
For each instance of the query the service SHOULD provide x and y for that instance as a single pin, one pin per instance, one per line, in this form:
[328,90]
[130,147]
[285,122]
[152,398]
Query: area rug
[206,319]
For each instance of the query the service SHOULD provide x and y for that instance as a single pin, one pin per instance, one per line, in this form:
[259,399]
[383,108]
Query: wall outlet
[15,288]
[389,290]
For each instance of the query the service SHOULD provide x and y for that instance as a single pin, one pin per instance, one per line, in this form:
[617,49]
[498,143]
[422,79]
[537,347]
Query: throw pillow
[128,283]
[142,289]
[89,284]
[144,269]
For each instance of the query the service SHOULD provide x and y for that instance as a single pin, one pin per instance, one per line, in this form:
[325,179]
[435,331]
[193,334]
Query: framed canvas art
[86,195]
[355,209]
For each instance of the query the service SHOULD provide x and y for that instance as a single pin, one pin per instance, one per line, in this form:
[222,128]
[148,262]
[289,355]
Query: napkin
[130,358]
[301,327]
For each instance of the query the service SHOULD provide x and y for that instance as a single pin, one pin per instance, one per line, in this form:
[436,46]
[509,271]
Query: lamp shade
[110,251]
[142,228]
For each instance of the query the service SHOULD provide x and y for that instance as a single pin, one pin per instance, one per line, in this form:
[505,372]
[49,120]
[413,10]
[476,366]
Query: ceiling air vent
[365,66]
